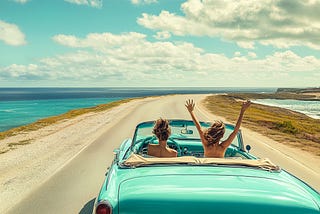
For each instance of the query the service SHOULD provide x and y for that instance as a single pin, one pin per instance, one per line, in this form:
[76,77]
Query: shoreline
[28,166]
[307,113]
[302,96]
[51,147]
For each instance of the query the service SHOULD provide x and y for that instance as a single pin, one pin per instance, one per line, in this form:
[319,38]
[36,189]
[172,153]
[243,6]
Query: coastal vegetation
[282,125]
[278,95]
[299,90]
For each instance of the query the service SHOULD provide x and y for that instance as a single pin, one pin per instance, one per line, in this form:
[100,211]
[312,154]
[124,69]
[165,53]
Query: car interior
[184,139]
[186,147]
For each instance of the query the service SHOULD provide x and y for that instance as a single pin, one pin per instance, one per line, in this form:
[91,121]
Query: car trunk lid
[182,193]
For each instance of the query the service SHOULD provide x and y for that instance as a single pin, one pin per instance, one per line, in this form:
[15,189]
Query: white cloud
[92,3]
[237,53]
[252,55]
[11,34]
[130,58]
[246,45]
[21,1]
[175,24]
[162,35]
[144,1]
[25,72]
[280,23]
[99,41]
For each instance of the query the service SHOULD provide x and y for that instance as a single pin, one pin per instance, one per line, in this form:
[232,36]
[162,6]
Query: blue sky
[210,43]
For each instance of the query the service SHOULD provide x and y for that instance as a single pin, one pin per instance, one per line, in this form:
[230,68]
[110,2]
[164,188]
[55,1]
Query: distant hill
[299,90]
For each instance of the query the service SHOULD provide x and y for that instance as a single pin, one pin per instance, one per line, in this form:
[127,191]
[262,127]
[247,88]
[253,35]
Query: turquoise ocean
[21,106]
[22,112]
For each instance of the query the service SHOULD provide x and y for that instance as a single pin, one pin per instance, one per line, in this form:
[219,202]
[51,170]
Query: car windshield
[181,130]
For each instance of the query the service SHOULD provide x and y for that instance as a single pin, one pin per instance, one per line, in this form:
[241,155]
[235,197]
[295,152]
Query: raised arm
[190,106]
[229,140]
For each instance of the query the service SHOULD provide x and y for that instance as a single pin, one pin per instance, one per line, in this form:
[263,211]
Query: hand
[190,105]
[245,105]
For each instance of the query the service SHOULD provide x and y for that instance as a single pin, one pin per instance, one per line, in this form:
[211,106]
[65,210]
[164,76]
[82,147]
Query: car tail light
[104,209]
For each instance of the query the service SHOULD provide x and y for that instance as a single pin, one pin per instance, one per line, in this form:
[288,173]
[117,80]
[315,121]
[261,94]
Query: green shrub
[286,127]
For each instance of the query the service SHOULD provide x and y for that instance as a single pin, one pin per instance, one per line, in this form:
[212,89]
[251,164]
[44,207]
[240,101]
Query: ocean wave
[309,108]
[8,110]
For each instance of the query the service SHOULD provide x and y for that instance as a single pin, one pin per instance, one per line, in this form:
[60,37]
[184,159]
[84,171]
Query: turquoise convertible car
[239,183]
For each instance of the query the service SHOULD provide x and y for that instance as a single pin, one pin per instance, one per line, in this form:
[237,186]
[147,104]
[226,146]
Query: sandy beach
[50,148]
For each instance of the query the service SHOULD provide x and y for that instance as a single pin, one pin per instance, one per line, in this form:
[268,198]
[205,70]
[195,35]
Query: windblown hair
[214,133]
[162,129]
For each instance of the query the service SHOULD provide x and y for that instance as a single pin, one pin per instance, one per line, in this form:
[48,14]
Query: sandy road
[74,187]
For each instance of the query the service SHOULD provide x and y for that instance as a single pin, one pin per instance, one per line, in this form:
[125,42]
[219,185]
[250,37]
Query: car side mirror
[116,153]
[248,147]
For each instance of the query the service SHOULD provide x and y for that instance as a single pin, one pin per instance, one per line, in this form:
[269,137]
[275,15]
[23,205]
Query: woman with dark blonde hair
[162,131]
[211,137]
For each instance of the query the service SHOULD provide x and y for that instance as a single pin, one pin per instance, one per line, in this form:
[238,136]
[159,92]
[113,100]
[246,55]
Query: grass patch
[68,115]
[278,95]
[285,126]
[19,143]
[2,151]
[14,145]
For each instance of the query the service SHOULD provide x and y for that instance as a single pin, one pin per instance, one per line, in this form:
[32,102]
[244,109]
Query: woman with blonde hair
[162,131]
[211,137]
